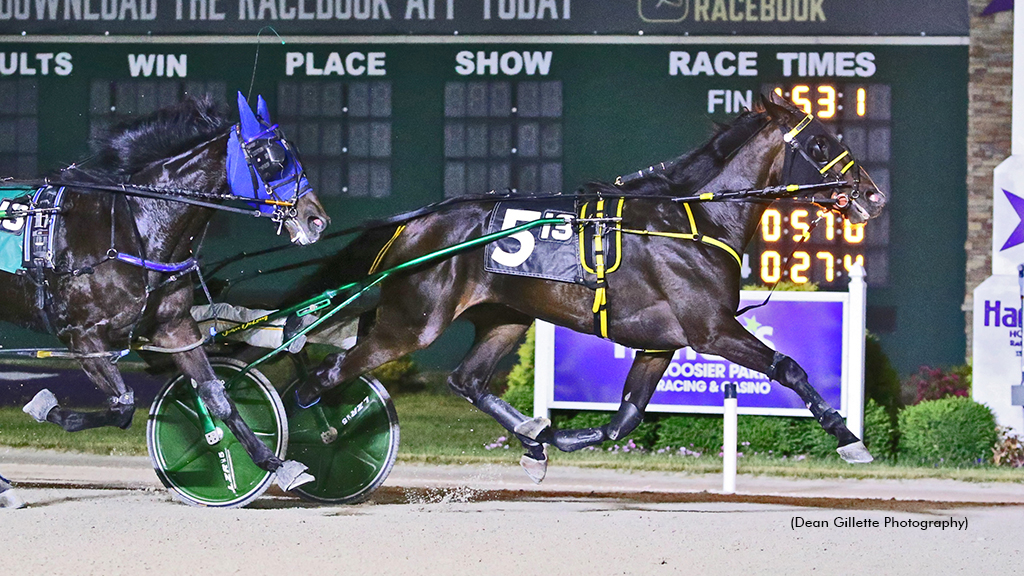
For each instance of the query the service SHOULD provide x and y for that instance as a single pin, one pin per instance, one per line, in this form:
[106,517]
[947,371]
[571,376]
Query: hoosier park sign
[823,331]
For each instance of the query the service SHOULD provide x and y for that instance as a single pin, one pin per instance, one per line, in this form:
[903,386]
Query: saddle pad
[12,230]
[549,252]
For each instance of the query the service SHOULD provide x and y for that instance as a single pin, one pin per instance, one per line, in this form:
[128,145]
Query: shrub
[952,431]
[1009,450]
[399,375]
[698,432]
[881,381]
[879,432]
[934,383]
[764,434]
[785,286]
[520,380]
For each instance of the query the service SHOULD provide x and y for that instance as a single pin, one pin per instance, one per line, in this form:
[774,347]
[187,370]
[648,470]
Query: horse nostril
[874,197]
[316,223]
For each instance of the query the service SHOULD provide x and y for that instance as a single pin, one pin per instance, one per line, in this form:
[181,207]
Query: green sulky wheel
[349,441]
[219,474]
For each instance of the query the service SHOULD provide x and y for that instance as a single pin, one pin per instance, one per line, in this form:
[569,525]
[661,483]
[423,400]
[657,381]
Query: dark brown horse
[668,293]
[117,269]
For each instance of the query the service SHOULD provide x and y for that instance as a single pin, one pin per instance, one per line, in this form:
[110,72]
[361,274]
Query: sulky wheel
[349,441]
[213,469]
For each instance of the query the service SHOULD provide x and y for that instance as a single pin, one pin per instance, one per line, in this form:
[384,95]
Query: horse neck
[168,228]
[756,165]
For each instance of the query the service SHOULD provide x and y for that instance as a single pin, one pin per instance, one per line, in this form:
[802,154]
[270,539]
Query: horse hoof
[535,469]
[856,453]
[40,405]
[532,428]
[10,499]
[292,474]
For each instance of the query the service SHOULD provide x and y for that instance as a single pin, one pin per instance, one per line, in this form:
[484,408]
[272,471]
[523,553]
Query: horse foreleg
[105,375]
[644,374]
[196,366]
[737,345]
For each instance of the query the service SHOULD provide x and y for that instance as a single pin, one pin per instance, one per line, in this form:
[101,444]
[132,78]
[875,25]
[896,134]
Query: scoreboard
[386,127]
[425,99]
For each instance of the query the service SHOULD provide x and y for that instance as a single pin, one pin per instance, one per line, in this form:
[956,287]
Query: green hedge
[520,380]
[952,431]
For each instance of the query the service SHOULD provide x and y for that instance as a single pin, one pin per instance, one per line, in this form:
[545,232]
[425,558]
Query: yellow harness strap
[384,250]
[600,307]
[693,235]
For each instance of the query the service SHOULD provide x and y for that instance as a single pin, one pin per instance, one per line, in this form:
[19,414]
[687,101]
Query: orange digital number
[853,233]
[827,102]
[797,220]
[802,264]
[771,225]
[830,265]
[800,99]
[771,267]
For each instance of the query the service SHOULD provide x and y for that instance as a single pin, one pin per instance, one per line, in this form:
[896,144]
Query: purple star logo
[998,6]
[1017,237]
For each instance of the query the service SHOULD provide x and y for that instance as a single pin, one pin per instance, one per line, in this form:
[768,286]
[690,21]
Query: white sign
[996,359]
[1008,216]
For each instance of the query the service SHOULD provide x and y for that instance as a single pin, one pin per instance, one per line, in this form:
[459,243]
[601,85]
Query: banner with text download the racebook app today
[587,372]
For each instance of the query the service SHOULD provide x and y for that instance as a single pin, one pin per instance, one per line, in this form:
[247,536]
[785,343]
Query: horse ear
[262,112]
[250,126]
[776,107]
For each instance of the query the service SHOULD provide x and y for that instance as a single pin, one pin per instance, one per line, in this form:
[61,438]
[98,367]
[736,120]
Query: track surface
[457,531]
[107,515]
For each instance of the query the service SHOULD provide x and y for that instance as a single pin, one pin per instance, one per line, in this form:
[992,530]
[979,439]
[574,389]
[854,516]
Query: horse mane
[126,148]
[689,172]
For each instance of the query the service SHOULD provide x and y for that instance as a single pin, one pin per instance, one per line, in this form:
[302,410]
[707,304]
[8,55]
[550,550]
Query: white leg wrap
[856,453]
[9,499]
[532,427]
[40,405]
[292,474]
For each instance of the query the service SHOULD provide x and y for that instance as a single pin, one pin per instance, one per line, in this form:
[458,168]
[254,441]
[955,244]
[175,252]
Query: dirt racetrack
[437,520]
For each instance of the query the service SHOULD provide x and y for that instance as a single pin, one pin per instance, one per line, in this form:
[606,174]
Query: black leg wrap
[573,440]
[500,410]
[773,370]
[216,400]
[625,420]
[833,423]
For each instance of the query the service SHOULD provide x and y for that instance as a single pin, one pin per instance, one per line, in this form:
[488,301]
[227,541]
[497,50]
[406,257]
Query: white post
[858,314]
[543,368]
[729,434]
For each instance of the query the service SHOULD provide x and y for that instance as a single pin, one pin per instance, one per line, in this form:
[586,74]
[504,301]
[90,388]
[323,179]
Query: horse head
[264,165]
[814,155]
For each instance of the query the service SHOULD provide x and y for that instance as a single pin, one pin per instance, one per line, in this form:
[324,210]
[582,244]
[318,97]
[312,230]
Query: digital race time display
[859,114]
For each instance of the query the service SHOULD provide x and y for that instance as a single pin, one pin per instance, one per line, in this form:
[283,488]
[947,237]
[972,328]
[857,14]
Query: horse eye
[818,149]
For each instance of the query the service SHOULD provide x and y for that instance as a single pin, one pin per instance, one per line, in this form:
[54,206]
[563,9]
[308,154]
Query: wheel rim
[349,468]
[221,475]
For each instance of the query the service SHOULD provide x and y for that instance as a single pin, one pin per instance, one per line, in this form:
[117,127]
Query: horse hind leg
[498,329]
[120,401]
[641,382]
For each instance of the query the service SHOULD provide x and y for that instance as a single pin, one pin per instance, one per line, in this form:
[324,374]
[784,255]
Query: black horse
[668,293]
[115,269]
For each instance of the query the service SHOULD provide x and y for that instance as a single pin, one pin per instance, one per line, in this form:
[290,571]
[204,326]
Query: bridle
[811,142]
